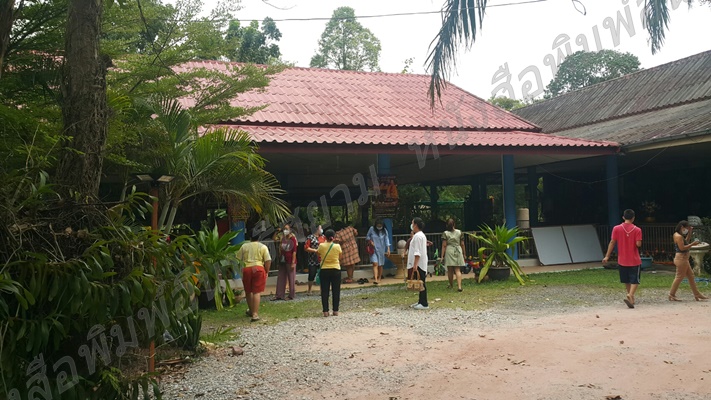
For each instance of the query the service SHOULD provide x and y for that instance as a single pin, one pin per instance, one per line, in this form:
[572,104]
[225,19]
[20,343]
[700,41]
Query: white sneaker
[420,307]
[414,305]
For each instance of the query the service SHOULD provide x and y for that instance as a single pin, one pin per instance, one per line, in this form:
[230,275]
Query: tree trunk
[7,17]
[84,101]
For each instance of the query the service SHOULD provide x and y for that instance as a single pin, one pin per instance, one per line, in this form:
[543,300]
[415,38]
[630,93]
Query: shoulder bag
[317,280]
[415,285]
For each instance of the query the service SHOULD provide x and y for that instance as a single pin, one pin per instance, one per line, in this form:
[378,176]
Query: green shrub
[82,285]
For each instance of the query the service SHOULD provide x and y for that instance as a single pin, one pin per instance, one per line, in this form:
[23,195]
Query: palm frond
[175,119]
[656,14]
[460,21]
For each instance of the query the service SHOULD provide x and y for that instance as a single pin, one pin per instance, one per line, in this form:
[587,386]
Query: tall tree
[83,100]
[346,44]
[252,44]
[585,68]
[461,19]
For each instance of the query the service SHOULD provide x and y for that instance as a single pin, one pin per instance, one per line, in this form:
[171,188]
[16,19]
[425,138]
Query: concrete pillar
[238,226]
[532,196]
[384,169]
[613,191]
[508,185]
[434,202]
[237,215]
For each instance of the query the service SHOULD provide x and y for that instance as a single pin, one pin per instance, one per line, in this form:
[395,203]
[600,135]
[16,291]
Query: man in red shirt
[628,238]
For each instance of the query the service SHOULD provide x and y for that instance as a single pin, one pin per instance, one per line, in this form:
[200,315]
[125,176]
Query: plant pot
[650,219]
[499,274]
[646,262]
[206,300]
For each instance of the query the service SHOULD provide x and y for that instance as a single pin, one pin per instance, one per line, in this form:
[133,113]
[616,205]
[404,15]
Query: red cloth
[254,279]
[626,236]
[288,250]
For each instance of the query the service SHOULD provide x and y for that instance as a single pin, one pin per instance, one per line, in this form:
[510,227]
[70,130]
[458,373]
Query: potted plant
[650,207]
[647,260]
[214,256]
[497,263]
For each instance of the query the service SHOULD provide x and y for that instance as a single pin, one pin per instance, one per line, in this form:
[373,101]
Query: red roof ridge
[332,70]
[376,126]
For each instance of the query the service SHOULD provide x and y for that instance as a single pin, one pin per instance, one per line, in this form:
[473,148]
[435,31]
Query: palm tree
[462,18]
[220,162]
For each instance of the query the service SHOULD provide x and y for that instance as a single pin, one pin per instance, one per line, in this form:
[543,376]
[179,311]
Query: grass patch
[587,284]
[219,334]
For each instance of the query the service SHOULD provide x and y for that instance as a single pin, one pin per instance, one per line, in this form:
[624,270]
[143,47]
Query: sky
[516,36]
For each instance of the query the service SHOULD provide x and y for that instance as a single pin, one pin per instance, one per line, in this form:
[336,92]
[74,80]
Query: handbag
[415,285]
[370,249]
[317,280]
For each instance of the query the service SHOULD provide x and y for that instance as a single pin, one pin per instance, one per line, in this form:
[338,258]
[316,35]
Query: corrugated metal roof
[668,85]
[342,98]
[367,136]
[653,125]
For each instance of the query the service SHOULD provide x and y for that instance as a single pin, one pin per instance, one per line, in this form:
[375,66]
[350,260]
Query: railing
[656,240]
[526,249]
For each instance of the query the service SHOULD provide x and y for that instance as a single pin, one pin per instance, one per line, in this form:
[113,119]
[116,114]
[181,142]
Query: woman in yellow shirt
[330,274]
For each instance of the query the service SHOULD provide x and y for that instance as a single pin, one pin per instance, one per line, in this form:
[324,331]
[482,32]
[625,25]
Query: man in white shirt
[417,258]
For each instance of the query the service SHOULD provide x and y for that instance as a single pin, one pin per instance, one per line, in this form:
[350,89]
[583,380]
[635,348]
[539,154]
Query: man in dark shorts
[628,238]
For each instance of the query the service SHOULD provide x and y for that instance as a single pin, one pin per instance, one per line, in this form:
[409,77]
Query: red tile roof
[404,137]
[376,99]
[309,105]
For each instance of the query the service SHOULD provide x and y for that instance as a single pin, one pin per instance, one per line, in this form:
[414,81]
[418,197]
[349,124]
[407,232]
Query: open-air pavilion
[328,134]
[661,117]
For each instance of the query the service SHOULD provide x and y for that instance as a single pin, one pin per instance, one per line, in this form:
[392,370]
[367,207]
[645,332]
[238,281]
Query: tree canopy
[253,44]
[506,103]
[346,44]
[585,68]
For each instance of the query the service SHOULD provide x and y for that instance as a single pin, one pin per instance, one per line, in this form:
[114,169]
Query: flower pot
[646,262]
[499,274]
[206,300]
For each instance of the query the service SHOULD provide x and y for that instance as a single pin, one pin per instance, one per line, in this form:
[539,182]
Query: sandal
[325,314]
[248,313]
[629,302]
[255,319]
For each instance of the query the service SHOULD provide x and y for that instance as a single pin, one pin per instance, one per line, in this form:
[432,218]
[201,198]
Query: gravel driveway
[386,353]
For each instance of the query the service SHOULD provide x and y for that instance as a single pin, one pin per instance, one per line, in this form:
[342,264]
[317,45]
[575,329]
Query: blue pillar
[613,191]
[238,226]
[508,187]
[532,196]
[384,169]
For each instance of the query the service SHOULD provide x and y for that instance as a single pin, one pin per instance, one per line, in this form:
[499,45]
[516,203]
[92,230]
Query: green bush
[82,285]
